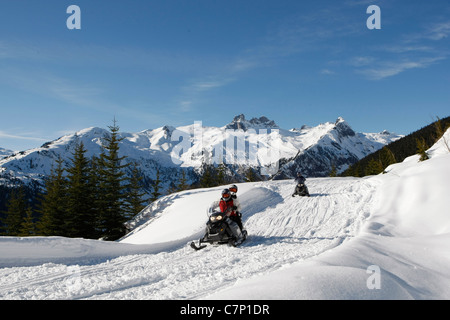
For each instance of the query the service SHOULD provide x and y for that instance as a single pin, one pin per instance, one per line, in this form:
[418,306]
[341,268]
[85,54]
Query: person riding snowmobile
[238,218]
[300,187]
[222,226]
[228,206]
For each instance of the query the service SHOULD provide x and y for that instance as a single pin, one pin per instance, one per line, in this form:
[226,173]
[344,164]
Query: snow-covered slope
[380,237]
[406,239]
[242,143]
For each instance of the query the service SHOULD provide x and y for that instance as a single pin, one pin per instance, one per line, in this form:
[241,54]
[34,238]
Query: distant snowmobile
[218,231]
[301,190]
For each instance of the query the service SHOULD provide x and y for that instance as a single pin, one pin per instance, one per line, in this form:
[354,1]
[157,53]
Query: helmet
[233,188]
[226,194]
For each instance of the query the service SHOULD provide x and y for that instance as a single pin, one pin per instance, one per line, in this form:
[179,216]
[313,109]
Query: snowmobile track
[282,230]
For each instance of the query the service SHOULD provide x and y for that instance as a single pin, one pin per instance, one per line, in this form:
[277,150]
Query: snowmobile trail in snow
[282,230]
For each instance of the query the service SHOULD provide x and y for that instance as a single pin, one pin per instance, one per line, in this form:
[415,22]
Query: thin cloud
[408,48]
[389,69]
[291,36]
[50,85]
[208,85]
[361,61]
[439,31]
[21,137]
[432,33]
[98,55]
[327,72]
[413,51]
[73,94]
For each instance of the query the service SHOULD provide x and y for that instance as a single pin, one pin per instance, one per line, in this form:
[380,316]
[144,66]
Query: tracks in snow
[282,230]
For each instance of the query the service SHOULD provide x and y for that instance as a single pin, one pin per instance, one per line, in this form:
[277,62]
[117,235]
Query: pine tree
[374,167]
[112,186]
[27,227]
[53,204]
[15,213]
[386,157]
[440,130]
[207,179]
[333,172]
[357,170]
[182,185]
[81,219]
[250,175]
[135,193]
[422,149]
[221,174]
[156,187]
[96,194]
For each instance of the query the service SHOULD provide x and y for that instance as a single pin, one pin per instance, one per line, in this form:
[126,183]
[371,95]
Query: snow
[379,237]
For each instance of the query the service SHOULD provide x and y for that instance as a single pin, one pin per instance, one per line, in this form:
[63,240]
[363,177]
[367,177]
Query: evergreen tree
[97,196]
[15,213]
[135,193]
[53,204]
[440,130]
[27,227]
[374,167]
[156,187]
[357,170]
[207,179]
[422,149]
[333,172]
[112,186]
[81,219]
[221,174]
[182,185]
[386,157]
[250,175]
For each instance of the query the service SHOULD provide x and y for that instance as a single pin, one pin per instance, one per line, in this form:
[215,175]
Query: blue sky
[151,63]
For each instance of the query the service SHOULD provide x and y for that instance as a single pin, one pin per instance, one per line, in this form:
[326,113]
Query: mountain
[5,152]
[240,123]
[380,237]
[332,144]
[258,143]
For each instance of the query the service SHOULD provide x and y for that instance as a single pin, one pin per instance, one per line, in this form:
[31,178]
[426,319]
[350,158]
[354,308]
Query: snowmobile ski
[197,248]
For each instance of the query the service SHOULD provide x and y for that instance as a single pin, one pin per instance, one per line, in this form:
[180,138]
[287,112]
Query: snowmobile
[218,231]
[302,190]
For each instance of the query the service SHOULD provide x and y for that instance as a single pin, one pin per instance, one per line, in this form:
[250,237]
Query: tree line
[221,174]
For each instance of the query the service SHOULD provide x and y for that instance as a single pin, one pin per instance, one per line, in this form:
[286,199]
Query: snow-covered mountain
[240,123]
[5,152]
[332,144]
[258,143]
[380,237]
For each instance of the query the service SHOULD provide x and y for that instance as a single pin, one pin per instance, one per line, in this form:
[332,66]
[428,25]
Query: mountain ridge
[241,144]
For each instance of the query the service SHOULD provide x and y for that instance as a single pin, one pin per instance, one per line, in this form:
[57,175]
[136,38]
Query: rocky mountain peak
[240,123]
[343,128]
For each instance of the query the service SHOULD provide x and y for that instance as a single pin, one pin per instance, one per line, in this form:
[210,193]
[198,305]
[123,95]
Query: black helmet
[226,194]
[233,188]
